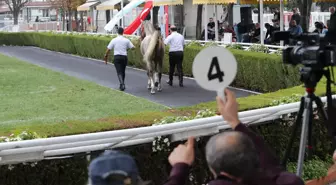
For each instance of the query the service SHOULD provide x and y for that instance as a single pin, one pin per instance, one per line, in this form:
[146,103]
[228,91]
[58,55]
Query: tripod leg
[294,131]
[320,108]
[310,131]
[307,113]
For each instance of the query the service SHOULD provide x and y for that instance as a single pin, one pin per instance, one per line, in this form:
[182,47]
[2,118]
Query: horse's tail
[151,47]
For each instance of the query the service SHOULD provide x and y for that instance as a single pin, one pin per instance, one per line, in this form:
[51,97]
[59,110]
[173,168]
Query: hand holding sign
[214,69]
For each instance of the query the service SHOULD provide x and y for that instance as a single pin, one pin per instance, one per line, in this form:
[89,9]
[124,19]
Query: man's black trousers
[176,59]
[120,63]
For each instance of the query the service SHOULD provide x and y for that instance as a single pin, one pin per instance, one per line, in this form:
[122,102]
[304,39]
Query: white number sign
[214,69]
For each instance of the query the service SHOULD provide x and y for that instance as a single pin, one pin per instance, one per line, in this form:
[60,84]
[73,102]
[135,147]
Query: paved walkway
[105,75]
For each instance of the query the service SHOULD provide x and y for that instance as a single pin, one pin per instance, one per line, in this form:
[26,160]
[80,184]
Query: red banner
[136,23]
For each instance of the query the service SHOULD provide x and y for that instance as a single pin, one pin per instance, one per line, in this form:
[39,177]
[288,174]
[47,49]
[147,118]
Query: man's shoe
[170,83]
[122,87]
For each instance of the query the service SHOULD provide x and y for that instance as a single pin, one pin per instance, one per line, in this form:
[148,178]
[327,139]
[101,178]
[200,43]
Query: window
[45,13]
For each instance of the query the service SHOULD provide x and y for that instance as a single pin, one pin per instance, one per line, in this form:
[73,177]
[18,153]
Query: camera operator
[234,157]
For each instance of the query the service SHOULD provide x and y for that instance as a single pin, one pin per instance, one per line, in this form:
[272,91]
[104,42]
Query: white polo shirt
[120,45]
[175,41]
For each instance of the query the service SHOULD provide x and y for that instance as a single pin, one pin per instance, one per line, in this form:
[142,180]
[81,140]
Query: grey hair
[226,24]
[233,153]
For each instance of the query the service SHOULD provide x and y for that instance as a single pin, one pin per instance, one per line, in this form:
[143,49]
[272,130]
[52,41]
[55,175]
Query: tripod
[305,116]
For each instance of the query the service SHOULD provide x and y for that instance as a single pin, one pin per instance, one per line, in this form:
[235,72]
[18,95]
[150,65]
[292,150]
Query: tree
[69,8]
[305,14]
[199,21]
[15,7]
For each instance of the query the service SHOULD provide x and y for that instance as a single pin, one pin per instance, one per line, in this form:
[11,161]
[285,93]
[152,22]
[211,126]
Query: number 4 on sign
[219,74]
[209,68]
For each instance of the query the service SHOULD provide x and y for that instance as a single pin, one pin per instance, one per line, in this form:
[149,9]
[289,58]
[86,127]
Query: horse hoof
[152,92]
[156,84]
[160,90]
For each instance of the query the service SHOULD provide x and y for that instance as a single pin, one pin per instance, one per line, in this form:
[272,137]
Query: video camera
[312,49]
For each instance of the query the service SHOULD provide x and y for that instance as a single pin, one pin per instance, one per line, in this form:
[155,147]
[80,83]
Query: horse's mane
[148,27]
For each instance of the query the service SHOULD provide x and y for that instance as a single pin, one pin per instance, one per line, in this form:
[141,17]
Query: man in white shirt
[176,47]
[120,44]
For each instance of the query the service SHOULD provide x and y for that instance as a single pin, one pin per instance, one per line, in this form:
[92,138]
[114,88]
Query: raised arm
[181,159]
[229,111]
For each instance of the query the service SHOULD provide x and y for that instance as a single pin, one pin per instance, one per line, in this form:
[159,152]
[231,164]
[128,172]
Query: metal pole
[122,19]
[216,23]
[151,14]
[137,13]
[172,15]
[205,23]
[281,19]
[261,22]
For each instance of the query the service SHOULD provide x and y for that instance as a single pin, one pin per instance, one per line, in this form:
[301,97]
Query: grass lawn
[53,104]
[34,97]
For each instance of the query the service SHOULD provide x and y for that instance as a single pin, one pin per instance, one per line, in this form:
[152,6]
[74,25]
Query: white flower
[10,167]
[166,140]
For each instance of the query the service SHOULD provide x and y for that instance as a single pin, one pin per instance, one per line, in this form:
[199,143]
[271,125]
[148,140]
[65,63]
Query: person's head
[295,10]
[318,25]
[211,19]
[226,25]
[267,26]
[257,25]
[293,23]
[114,168]
[173,28]
[232,154]
[120,31]
[332,9]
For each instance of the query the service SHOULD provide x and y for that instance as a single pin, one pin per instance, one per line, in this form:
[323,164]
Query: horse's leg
[156,77]
[159,70]
[149,82]
[151,76]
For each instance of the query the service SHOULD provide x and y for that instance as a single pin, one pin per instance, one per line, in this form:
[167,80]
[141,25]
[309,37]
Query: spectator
[332,26]
[229,29]
[295,29]
[325,30]
[236,157]
[241,29]
[114,168]
[318,28]
[255,36]
[269,34]
[296,16]
[276,16]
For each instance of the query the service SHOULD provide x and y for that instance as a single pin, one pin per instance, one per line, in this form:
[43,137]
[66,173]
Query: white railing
[49,148]
[272,48]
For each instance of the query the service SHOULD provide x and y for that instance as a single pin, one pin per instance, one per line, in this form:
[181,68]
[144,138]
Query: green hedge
[256,71]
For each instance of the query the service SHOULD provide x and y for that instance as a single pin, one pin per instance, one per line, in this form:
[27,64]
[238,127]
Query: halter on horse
[152,50]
